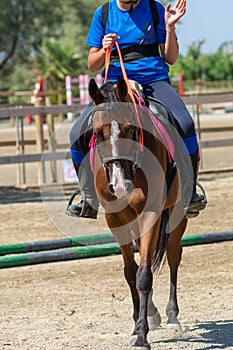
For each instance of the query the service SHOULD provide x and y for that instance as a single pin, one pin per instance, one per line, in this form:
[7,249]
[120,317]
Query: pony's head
[109,92]
[116,131]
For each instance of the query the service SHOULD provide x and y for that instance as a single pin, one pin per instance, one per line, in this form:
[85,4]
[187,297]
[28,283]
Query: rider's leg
[188,152]
[198,201]
[88,206]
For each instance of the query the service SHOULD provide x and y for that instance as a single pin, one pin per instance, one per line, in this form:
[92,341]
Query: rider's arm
[96,58]
[170,50]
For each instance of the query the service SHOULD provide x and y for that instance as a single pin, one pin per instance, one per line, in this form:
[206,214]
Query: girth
[136,52]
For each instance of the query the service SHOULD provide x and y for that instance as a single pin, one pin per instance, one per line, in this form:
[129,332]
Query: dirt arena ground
[86,304]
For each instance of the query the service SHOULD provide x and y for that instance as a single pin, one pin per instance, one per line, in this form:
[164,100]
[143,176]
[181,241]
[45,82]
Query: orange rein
[130,91]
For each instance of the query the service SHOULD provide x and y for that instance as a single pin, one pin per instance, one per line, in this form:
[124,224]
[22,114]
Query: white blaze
[115,131]
[117,180]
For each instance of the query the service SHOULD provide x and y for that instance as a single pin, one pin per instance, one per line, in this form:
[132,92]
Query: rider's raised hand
[173,14]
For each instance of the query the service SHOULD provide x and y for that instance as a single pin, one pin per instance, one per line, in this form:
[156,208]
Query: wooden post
[12,119]
[22,148]
[59,101]
[40,143]
[21,171]
[51,140]
[19,177]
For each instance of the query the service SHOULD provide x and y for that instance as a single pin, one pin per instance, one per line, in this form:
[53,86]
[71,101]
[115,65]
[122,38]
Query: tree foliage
[218,66]
[55,61]
[23,24]
[212,67]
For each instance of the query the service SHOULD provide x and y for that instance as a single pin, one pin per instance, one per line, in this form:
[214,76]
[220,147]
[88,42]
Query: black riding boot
[88,206]
[198,201]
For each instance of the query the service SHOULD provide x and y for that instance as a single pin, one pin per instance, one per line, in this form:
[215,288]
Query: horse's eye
[130,131]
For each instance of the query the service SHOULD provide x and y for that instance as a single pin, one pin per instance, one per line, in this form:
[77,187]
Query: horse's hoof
[137,347]
[154,321]
[133,341]
[175,327]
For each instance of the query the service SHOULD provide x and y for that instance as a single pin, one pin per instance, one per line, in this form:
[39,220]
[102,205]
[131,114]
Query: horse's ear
[95,93]
[122,89]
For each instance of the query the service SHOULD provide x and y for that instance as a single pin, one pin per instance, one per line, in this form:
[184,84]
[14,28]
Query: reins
[130,91]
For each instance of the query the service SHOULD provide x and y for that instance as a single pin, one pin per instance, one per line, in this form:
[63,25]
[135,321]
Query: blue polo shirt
[133,29]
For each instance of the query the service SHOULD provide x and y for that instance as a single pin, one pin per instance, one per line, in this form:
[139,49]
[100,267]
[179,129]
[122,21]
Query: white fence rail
[75,108]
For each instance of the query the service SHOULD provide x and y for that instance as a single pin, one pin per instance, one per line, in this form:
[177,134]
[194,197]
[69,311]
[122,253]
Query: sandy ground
[86,304]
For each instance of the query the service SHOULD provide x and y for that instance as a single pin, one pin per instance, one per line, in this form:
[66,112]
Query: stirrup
[75,193]
[82,209]
[74,209]
[197,203]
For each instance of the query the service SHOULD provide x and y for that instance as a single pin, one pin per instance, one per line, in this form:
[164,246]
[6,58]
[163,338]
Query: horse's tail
[161,246]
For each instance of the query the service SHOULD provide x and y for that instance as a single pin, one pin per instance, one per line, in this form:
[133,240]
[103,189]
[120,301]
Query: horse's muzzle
[121,190]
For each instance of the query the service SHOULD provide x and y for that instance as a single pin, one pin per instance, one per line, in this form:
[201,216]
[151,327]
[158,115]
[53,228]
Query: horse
[130,163]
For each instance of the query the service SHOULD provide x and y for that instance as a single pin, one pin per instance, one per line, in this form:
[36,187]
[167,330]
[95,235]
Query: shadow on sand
[213,335]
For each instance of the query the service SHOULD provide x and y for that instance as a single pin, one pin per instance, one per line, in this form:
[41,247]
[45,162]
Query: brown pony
[130,167]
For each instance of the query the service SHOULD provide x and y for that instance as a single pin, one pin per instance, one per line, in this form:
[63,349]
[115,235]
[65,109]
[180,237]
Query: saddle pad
[160,128]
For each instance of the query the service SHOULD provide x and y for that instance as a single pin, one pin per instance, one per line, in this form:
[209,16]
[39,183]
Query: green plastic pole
[102,238]
[56,244]
[191,240]
[89,251]
[59,255]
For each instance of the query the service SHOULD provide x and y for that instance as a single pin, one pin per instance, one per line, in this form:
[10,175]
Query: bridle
[134,156]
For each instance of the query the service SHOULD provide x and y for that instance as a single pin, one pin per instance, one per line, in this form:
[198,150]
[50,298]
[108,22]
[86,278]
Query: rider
[150,51]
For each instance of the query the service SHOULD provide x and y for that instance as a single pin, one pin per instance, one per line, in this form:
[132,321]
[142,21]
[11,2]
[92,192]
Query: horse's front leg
[144,278]
[153,315]
[130,271]
[140,283]
[127,250]
[144,281]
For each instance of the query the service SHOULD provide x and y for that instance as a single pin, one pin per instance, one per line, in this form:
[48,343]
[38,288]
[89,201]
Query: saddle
[166,129]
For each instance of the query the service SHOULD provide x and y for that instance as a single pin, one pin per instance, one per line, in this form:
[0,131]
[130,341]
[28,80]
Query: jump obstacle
[83,247]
